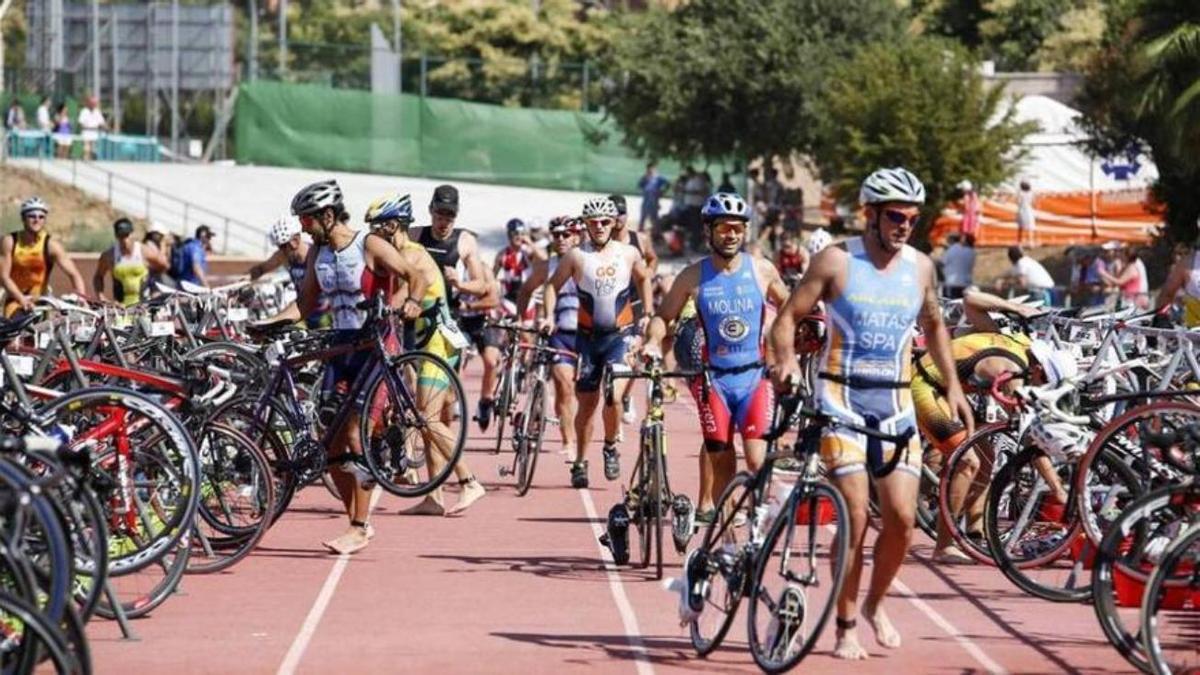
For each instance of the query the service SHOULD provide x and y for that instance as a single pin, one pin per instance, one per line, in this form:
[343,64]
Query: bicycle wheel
[412,418]
[143,461]
[1122,438]
[1038,542]
[1171,607]
[963,486]
[142,592]
[1131,549]
[237,500]
[531,437]
[30,637]
[289,452]
[726,563]
[798,575]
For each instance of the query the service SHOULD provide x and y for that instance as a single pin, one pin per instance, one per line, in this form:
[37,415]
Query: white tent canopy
[1057,162]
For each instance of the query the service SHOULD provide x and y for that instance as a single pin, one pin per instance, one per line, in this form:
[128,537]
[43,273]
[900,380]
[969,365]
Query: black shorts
[481,336]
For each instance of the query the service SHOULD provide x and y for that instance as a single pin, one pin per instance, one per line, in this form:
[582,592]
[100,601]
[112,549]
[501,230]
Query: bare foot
[352,540]
[428,507]
[471,493]
[885,633]
[847,646]
[951,555]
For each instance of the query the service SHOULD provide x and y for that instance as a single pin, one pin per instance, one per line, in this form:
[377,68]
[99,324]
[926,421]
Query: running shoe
[682,522]
[579,477]
[616,533]
[612,462]
[484,414]
[628,410]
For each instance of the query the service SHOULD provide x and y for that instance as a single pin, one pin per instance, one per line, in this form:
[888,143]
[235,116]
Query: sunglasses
[600,222]
[729,228]
[560,235]
[900,218]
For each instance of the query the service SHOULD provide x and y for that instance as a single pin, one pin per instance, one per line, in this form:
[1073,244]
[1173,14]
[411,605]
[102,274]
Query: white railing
[124,194]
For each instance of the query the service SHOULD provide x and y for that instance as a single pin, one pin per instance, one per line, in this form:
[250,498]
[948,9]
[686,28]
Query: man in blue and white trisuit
[876,289]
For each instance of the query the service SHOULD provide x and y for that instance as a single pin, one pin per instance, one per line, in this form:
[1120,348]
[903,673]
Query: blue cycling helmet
[390,207]
[515,226]
[725,205]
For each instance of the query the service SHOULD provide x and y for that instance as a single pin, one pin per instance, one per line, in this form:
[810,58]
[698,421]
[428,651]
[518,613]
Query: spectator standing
[694,192]
[190,262]
[1130,281]
[14,119]
[1029,275]
[62,131]
[44,122]
[1025,220]
[158,242]
[91,123]
[652,186]
[958,266]
[971,210]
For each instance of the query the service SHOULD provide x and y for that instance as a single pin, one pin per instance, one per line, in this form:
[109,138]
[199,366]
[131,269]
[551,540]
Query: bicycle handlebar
[793,411]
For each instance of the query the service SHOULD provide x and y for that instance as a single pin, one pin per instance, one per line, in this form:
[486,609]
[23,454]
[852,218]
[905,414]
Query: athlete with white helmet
[876,289]
[291,250]
[605,273]
[27,257]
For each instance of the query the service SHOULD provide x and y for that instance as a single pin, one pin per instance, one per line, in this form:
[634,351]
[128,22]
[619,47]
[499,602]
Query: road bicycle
[529,423]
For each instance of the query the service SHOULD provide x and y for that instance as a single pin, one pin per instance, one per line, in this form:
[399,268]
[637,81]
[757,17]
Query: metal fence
[574,85]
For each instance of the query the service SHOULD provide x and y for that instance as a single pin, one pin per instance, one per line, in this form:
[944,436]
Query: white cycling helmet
[599,207]
[1060,440]
[892,185]
[284,229]
[818,241]
[1059,364]
[34,204]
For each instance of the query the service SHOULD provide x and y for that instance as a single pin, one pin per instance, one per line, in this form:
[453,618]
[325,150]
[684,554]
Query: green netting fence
[309,126]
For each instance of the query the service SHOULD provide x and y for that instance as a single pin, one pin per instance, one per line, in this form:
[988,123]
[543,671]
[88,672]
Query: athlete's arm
[309,293]
[59,256]
[811,290]
[103,264]
[650,255]
[489,297]
[537,277]
[381,254]
[673,302]
[153,255]
[10,286]
[565,270]
[1166,295]
[977,304]
[645,282]
[277,258]
[937,341]
[775,290]
[477,279]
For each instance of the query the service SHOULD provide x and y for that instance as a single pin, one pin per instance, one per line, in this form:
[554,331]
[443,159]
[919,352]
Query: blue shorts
[743,402]
[341,370]
[564,340]
[596,352]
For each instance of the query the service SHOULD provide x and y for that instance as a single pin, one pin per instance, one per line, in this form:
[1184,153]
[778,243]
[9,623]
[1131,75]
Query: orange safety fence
[1062,218]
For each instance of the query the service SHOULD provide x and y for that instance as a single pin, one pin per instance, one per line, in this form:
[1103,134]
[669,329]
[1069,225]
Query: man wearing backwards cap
[129,262]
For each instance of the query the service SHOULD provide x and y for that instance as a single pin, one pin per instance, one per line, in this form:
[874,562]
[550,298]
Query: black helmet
[318,196]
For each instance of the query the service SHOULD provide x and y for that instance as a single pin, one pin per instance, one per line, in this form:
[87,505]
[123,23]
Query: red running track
[519,585]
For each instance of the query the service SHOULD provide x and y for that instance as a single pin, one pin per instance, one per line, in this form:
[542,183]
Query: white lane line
[633,634]
[296,652]
[942,622]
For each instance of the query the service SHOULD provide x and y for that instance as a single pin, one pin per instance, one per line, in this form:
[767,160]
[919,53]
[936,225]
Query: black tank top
[444,251]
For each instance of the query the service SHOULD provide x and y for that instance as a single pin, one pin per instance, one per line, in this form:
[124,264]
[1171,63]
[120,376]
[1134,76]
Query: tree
[920,104]
[734,78]
[1142,90]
